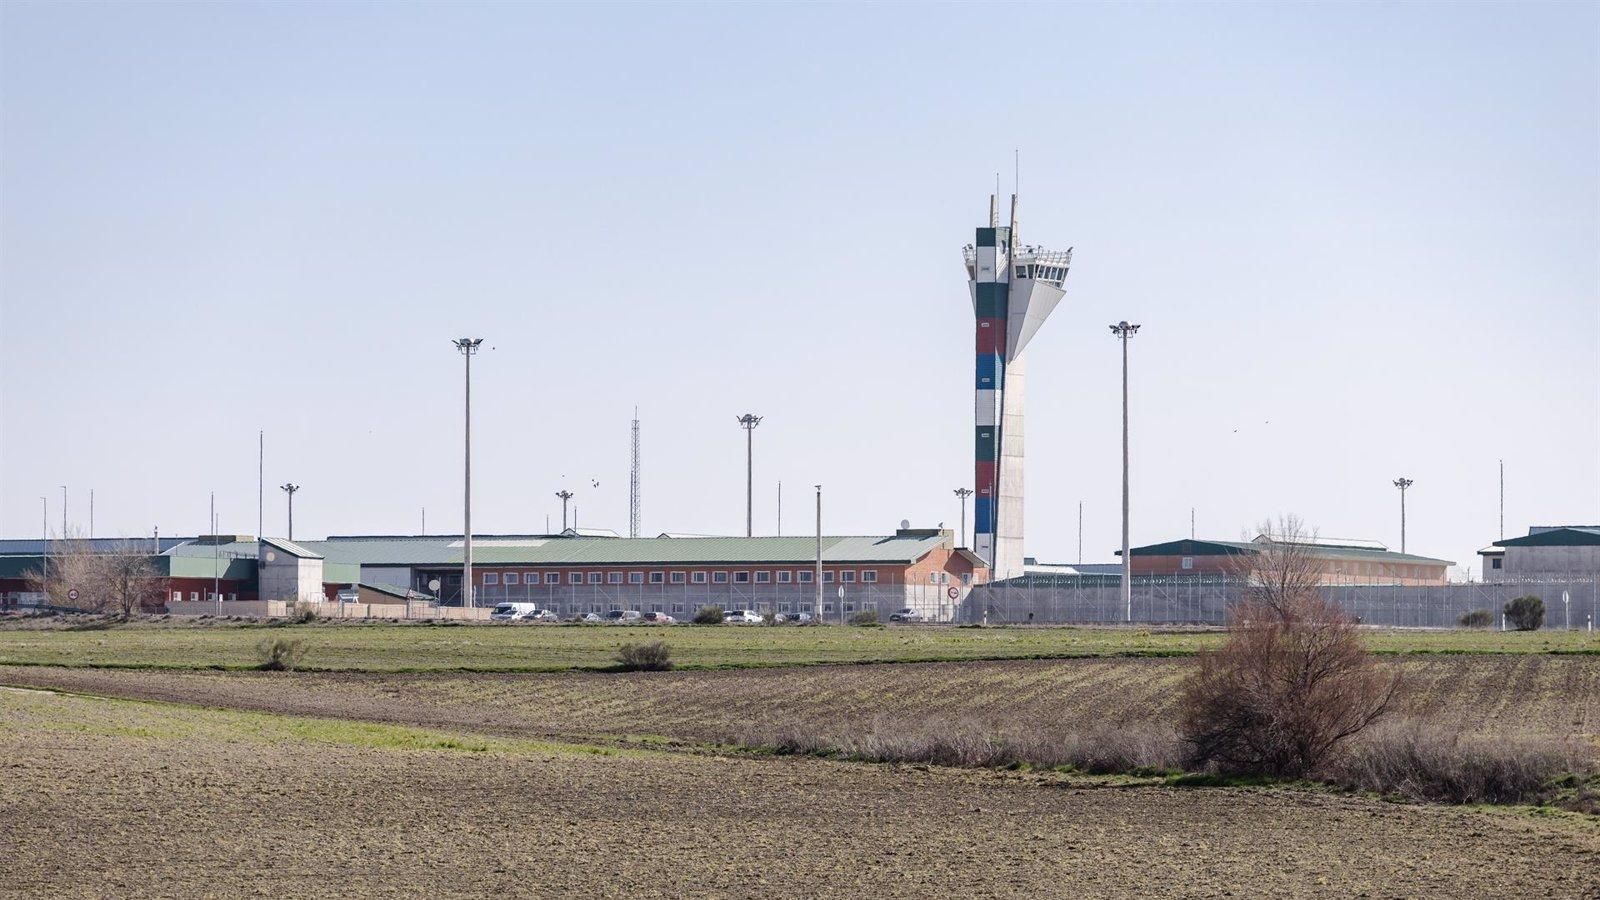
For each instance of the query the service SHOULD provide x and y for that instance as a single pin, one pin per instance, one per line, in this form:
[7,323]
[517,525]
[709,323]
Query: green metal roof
[1564,536]
[1193,547]
[492,551]
[291,548]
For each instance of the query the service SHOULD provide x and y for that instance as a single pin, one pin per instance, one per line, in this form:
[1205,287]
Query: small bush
[648,657]
[1478,618]
[864,617]
[1420,762]
[769,618]
[1525,613]
[709,615]
[279,654]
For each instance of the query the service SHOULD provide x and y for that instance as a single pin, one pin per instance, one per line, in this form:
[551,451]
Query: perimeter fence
[1572,602]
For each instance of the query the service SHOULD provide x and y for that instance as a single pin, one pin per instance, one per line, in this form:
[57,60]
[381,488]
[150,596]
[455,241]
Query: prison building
[919,568]
[195,570]
[1338,561]
[1546,551]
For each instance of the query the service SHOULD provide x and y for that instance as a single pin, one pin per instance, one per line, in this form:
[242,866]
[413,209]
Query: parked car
[801,618]
[623,616]
[658,618]
[514,612]
[584,617]
[741,617]
[907,615]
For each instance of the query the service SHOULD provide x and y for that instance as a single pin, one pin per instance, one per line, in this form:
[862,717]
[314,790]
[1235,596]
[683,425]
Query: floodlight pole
[1402,484]
[565,496]
[816,616]
[468,347]
[1123,331]
[290,489]
[748,422]
[963,494]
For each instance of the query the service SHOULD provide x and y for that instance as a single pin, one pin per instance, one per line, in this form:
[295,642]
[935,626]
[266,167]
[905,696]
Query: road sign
[953,593]
[72,594]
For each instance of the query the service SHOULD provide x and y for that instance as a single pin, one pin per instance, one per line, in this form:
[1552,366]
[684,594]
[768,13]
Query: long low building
[1339,561]
[575,573]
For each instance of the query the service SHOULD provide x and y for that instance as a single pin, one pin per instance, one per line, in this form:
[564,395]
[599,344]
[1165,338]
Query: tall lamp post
[468,348]
[816,616]
[748,422]
[963,494]
[565,496]
[1123,331]
[1402,484]
[290,489]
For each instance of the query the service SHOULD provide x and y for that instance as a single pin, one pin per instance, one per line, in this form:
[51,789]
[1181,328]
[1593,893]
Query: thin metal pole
[468,347]
[1080,531]
[1502,499]
[44,530]
[1124,331]
[963,493]
[216,554]
[261,483]
[817,614]
[466,565]
[63,512]
[780,509]
[91,512]
[748,422]
[1402,484]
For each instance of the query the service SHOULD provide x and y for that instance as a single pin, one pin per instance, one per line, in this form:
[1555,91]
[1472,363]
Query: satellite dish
[905,523]
[433,585]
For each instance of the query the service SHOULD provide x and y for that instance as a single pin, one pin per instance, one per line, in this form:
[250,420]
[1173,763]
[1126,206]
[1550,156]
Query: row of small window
[1047,273]
[782,576]
[194,597]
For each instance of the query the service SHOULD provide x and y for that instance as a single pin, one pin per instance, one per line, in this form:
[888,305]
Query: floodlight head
[467,346]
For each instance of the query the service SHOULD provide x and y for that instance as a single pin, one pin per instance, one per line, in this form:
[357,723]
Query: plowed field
[106,798]
[1515,694]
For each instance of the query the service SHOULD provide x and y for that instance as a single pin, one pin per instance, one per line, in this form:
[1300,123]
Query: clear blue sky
[1362,240]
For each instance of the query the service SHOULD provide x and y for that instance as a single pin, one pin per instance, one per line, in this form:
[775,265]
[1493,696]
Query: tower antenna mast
[633,481]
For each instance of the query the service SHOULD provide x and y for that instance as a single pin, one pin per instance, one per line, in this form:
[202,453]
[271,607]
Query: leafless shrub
[652,656]
[120,580]
[973,744]
[279,654]
[1448,765]
[1478,618]
[1292,682]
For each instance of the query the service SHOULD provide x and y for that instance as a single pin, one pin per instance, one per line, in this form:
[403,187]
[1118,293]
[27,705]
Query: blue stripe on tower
[990,292]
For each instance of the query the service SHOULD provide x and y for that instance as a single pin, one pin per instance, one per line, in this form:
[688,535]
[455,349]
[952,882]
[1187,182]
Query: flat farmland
[110,798]
[1513,694]
[203,644]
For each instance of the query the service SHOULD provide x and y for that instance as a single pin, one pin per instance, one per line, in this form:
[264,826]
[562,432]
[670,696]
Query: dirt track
[125,800]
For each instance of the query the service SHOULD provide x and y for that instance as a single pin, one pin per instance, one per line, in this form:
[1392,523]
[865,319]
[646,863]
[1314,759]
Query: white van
[514,612]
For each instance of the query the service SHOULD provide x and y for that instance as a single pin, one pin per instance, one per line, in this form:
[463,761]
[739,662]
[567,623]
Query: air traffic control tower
[1015,287]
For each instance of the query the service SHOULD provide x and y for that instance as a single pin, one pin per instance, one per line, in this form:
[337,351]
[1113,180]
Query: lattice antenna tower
[633,481]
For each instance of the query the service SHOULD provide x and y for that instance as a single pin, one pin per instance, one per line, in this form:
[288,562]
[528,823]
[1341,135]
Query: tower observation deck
[1014,289]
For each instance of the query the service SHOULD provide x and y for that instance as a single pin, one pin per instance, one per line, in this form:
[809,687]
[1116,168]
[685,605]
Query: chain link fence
[1572,602]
